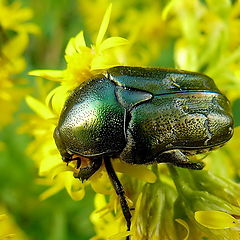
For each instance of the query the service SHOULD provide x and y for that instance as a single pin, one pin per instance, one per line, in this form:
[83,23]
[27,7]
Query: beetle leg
[86,172]
[66,157]
[69,158]
[176,157]
[78,159]
[119,190]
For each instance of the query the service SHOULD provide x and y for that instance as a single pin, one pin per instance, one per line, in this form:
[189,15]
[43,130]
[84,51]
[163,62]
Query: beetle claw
[77,175]
[80,175]
[86,172]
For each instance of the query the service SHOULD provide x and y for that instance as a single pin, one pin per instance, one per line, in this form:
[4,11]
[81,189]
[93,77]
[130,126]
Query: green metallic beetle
[143,116]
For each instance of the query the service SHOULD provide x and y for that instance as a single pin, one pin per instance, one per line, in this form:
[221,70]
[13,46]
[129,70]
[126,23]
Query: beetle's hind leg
[119,190]
[176,157]
[86,172]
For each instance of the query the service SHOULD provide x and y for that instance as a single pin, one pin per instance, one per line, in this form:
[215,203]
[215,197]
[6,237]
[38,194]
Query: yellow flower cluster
[139,21]
[169,203]
[13,19]
[14,38]
[8,228]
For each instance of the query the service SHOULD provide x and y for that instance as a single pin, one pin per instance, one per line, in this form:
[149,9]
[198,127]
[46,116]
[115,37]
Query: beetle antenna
[119,190]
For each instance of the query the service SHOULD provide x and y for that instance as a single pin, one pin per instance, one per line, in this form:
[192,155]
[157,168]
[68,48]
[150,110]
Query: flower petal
[53,75]
[80,41]
[50,191]
[99,182]
[56,99]
[75,44]
[140,172]
[113,42]
[185,225]
[120,235]
[99,62]
[70,49]
[216,219]
[104,25]
[167,9]
[41,109]
[73,186]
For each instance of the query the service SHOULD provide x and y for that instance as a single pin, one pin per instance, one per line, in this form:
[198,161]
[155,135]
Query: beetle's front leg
[119,191]
[176,157]
[86,172]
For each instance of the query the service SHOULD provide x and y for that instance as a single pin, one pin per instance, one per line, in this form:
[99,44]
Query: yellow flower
[82,61]
[206,43]
[12,17]
[8,228]
[43,150]
[142,22]
[216,219]
[153,216]
[224,225]
[105,222]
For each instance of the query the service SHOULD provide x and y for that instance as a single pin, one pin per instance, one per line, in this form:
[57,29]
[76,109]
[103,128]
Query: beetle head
[66,157]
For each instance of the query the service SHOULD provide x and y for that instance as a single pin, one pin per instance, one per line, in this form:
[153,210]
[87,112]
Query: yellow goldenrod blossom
[83,61]
[142,22]
[43,151]
[105,222]
[12,18]
[8,228]
[206,45]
